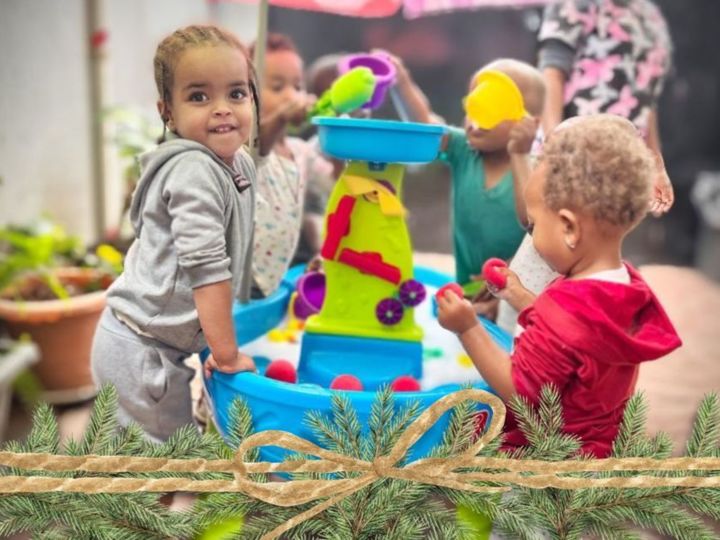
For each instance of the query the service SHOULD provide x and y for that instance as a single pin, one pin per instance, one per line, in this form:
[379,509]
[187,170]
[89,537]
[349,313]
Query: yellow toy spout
[494,99]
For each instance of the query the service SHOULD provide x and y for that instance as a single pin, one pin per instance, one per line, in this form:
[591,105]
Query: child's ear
[165,113]
[572,230]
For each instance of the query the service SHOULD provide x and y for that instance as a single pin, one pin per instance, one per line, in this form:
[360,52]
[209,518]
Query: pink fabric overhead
[353,8]
[417,8]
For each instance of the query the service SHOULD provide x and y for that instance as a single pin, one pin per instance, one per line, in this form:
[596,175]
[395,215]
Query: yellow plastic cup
[494,99]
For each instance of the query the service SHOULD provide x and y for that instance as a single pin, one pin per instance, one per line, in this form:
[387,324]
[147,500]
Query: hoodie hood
[152,161]
[626,321]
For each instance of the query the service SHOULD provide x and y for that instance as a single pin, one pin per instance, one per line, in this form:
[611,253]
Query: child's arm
[522,136]
[457,315]
[214,306]
[413,99]
[552,115]
[663,194]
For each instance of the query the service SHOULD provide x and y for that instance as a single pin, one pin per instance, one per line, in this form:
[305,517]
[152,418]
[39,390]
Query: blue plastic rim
[379,141]
[283,406]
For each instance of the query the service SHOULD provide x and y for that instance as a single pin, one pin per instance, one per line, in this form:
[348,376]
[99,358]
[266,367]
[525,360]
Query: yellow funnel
[494,99]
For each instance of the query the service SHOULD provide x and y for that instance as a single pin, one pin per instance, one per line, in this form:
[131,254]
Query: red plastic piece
[453,287]
[405,383]
[372,263]
[338,225]
[346,382]
[491,275]
[281,370]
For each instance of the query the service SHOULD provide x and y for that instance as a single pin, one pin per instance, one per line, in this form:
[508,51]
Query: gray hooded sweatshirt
[193,221]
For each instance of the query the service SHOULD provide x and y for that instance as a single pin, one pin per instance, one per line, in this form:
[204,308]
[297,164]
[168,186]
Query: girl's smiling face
[211,100]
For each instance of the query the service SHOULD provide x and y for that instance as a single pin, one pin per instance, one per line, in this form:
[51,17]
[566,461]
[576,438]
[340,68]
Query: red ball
[405,383]
[281,370]
[454,287]
[346,382]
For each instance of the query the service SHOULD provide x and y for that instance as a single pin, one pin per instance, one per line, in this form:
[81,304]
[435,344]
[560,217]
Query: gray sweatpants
[152,381]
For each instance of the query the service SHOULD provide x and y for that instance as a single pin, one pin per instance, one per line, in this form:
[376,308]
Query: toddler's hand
[402,75]
[315,264]
[242,362]
[456,314]
[485,304]
[663,195]
[522,135]
[514,293]
[295,110]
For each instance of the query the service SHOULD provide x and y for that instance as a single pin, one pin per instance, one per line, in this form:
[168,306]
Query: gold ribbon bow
[434,471]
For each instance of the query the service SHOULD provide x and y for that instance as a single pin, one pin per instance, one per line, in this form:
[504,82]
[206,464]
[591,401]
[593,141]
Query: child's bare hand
[522,135]
[486,305]
[456,314]
[402,75]
[295,110]
[663,194]
[241,362]
[514,293]
[315,264]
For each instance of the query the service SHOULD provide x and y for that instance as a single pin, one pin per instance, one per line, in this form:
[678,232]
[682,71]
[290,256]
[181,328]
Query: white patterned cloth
[533,272]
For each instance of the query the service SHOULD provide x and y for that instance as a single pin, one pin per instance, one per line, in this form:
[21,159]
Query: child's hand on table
[241,362]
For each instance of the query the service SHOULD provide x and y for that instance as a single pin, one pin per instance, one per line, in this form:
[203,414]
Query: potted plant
[54,290]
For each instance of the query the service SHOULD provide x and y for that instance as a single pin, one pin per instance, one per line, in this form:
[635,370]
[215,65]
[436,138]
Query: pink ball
[281,370]
[346,382]
[405,383]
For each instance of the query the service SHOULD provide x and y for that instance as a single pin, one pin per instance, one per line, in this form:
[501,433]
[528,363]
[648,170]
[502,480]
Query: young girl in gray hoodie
[193,217]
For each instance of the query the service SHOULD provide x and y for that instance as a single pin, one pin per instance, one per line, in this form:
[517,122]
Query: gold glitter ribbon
[450,472]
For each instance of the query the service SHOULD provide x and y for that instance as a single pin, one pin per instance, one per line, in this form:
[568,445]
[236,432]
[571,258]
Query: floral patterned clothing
[622,54]
[280,197]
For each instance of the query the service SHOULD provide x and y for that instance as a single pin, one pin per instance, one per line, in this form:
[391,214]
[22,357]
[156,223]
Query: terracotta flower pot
[63,330]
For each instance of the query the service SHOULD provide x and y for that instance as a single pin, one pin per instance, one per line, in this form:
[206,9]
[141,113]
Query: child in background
[286,167]
[486,194]
[590,329]
[321,74]
[193,215]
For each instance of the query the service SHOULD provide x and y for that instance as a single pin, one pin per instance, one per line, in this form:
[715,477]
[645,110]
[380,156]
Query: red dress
[588,337]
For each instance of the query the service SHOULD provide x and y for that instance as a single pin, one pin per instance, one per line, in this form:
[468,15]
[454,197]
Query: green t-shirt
[484,221]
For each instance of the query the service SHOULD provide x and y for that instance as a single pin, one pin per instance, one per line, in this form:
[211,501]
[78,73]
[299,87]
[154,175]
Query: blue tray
[379,141]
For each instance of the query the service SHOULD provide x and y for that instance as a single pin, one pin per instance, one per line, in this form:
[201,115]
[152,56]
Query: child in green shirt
[487,169]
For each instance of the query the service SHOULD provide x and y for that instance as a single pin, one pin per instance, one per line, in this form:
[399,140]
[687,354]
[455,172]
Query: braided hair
[170,49]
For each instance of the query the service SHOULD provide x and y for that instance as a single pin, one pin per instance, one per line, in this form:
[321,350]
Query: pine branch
[102,426]
[705,436]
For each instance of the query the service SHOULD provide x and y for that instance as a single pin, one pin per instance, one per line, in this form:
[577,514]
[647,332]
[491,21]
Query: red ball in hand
[405,383]
[454,287]
[281,370]
[346,382]
[491,275]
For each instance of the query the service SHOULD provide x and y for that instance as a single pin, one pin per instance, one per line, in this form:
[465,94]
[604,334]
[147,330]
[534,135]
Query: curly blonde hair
[601,166]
